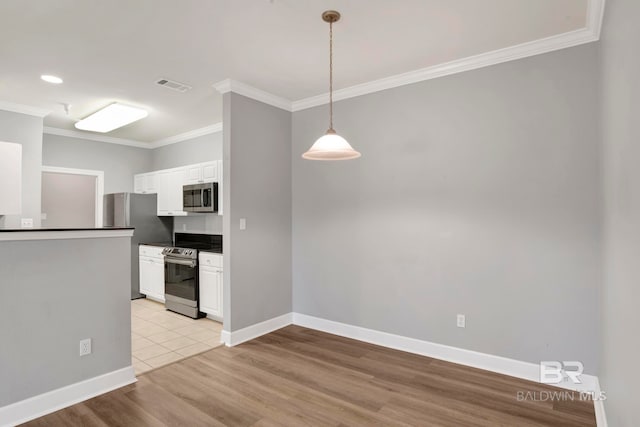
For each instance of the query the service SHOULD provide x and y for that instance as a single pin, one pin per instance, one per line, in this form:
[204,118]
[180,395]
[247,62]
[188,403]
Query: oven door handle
[188,263]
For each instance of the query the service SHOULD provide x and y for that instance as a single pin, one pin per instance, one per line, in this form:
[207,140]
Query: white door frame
[99,185]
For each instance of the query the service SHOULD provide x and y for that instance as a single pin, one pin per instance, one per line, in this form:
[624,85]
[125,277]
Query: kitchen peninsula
[57,288]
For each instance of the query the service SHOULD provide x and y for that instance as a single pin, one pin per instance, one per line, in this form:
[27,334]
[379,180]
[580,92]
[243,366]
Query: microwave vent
[173,85]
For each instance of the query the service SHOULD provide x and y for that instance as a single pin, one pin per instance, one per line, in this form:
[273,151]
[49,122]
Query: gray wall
[25,130]
[621,136]
[68,290]
[477,193]
[197,150]
[119,162]
[257,177]
[68,200]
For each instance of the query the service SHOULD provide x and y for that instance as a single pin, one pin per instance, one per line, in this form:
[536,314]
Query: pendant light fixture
[331,146]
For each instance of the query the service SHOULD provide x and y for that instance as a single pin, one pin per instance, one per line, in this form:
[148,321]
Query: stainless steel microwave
[200,197]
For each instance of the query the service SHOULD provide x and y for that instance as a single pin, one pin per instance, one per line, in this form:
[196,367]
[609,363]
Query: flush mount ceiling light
[331,146]
[111,117]
[51,79]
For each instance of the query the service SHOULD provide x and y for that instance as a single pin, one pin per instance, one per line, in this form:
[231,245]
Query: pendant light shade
[331,146]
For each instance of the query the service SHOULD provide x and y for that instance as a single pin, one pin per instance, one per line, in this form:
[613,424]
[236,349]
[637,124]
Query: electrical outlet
[461,321]
[26,223]
[85,347]
[243,223]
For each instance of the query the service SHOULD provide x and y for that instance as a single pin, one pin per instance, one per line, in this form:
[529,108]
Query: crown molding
[23,109]
[243,89]
[595,16]
[217,127]
[591,33]
[99,138]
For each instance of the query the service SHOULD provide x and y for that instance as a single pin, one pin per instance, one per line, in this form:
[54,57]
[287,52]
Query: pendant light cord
[330,75]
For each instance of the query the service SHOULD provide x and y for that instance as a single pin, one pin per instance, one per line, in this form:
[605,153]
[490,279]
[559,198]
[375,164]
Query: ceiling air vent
[173,85]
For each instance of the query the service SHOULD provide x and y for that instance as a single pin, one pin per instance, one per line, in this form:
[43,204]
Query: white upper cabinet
[210,172]
[10,178]
[170,184]
[145,183]
[202,172]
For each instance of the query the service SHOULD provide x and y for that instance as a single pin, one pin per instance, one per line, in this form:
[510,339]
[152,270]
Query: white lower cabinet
[152,272]
[211,284]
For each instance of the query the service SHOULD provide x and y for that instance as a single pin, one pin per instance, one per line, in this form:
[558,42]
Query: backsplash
[205,224]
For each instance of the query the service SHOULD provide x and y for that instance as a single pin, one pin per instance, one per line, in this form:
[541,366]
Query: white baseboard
[254,331]
[601,416]
[54,400]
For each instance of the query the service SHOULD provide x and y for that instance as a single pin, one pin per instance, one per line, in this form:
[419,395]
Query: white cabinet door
[210,172]
[157,279]
[145,276]
[151,183]
[145,183]
[201,172]
[138,183]
[152,278]
[176,182]
[164,203]
[10,178]
[170,185]
[220,185]
[193,174]
[211,291]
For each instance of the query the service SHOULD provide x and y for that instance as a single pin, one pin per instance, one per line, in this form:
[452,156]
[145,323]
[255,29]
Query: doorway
[71,198]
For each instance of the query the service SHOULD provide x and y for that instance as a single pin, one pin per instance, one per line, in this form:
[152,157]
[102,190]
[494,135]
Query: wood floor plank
[301,377]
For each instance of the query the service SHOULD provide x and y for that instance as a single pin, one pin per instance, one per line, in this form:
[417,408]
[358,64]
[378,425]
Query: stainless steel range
[181,286]
[181,281]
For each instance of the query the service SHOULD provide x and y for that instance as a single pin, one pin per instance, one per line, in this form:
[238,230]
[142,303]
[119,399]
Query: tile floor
[160,337]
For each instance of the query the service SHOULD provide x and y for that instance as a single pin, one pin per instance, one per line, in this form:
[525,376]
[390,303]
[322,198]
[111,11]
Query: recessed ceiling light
[51,79]
[111,117]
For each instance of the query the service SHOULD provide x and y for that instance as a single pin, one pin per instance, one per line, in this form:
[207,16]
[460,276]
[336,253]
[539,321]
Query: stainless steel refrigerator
[141,212]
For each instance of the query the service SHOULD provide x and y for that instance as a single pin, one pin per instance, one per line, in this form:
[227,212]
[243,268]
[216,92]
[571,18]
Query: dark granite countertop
[7,230]
[210,251]
[159,244]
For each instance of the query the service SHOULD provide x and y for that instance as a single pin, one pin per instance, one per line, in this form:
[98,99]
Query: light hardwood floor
[300,377]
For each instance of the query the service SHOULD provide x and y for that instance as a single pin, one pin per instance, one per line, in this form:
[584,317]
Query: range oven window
[181,278]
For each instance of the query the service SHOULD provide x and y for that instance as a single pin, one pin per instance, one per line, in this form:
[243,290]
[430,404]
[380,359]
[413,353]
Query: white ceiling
[115,50]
